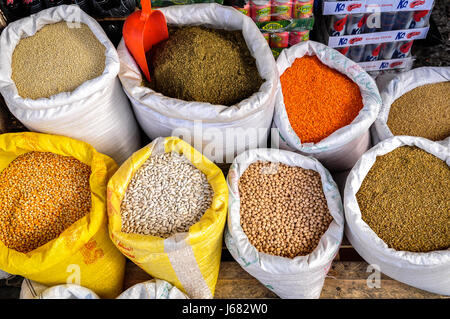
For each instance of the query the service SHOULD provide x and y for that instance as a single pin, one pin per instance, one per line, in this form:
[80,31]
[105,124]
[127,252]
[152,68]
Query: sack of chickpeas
[285,220]
[416,103]
[58,75]
[397,211]
[53,219]
[167,206]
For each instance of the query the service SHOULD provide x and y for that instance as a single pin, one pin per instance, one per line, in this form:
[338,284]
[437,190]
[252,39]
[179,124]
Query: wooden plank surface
[346,279]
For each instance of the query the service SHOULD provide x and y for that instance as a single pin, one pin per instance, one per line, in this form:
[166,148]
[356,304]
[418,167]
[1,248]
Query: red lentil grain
[319,100]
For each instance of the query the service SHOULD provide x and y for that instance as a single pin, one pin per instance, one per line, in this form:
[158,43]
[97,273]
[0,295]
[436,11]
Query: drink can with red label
[388,20]
[402,50]
[403,20]
[298,36]
[355,23]
[282,9]
[372,52]
[356,53]
[371,23]
[279,40]
[336,24]
[242,5]
[420,19]
[388,50]
[303,8]
[344,50]
[261,10]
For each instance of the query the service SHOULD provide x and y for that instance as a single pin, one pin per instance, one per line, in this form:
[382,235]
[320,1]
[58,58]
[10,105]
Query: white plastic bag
[4,275]
[204,125]
[399,85]
[302,276]
[97,112]
[341,149]
[152,289]
[428,271]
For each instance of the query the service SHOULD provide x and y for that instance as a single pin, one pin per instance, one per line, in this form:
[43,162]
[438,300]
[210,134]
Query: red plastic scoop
[142,30]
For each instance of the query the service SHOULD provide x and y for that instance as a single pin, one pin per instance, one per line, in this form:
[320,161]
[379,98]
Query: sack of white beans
[285,221]
[58,75]
[167,207]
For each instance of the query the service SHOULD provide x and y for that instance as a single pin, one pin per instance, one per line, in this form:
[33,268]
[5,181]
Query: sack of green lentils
[218,130]
[416,103]
[285,220]
[313,96]
[396,203]
[58,75]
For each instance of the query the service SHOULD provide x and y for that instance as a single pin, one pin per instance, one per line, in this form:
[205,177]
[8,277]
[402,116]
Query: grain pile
[405,199]
[56,59]
[204,65]
[283,210]
[318,99]
[41,194]
[423,111]
[167,195]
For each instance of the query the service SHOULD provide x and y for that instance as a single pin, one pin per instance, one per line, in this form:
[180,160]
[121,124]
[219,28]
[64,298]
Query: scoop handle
[146,9]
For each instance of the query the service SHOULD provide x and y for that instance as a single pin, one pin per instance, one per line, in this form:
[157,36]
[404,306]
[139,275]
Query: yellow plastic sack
[189,260]
[83,254]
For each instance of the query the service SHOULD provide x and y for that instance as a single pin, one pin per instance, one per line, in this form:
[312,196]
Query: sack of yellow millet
[146,198]
[53,220]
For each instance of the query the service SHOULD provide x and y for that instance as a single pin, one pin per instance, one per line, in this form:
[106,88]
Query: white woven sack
[428,271]
[160,115]
[401,84]
[302,276]
[97,112]
[152,289]
[340,150]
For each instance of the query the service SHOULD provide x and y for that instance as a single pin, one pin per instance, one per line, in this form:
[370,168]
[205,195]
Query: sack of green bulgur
[58,75]
[396,203]
[220,132]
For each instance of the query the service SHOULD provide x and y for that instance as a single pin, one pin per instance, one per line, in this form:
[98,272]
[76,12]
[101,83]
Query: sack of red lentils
[325,105]
[285,220]
[396,202]
[415,103]
[218,130]
[58,75]
[167,207]
[53,222]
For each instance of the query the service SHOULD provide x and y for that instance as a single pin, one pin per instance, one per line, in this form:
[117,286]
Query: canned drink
[387,20]
[298,36]
[402,50]
[303,8]
[242,6]
[279,40]
[388,50]
[336,24]
[343,50]
[260,10]
[420,19]
[372,52]
[282,9]
[356,53]
[403,20]
[369,26]
[356,23]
